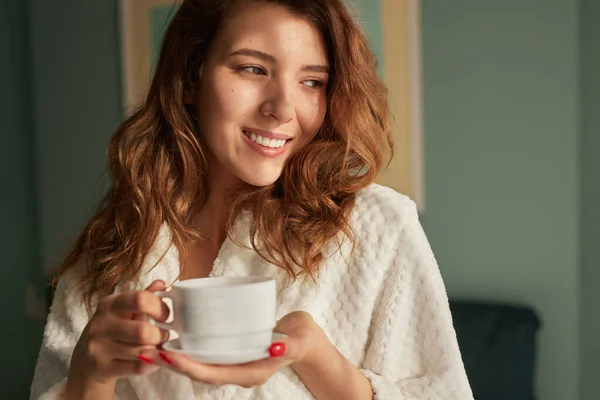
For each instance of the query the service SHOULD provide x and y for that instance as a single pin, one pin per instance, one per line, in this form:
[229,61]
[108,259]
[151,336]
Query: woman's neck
[211,221]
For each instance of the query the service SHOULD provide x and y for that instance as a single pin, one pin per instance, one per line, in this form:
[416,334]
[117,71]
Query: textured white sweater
[384,307]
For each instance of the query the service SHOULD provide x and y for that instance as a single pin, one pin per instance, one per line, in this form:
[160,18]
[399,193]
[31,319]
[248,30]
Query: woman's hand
[303,337]
[110,345]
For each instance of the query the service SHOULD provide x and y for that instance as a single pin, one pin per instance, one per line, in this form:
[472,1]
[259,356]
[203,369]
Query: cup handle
[163,325]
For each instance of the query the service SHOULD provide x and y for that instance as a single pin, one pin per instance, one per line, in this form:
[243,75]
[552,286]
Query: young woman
[255,153]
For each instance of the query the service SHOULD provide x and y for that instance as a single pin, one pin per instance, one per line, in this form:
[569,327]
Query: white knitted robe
[384,307]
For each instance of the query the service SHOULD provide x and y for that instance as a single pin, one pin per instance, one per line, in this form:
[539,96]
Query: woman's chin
[260,180]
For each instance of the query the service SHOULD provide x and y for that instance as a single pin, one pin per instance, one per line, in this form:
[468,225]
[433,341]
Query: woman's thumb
[156,286]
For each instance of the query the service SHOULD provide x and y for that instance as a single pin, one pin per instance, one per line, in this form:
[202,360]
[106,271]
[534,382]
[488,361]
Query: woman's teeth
[272,143]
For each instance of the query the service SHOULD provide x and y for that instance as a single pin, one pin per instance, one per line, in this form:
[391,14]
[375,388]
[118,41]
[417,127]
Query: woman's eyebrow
[272,59]
[316,68]
[256,54]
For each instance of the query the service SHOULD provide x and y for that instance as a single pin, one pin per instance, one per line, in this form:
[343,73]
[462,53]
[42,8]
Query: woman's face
[262,93]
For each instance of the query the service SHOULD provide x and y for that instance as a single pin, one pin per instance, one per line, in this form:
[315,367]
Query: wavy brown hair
[158,167]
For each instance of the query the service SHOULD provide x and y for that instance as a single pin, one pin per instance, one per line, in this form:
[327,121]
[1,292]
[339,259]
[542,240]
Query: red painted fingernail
[146,359]
[165,357]
[277,349]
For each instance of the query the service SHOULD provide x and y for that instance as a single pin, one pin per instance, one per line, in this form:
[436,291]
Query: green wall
[160,17]
[20,334]
[370,15]
[77,99]
[501,152]
[73,76]
[590,195]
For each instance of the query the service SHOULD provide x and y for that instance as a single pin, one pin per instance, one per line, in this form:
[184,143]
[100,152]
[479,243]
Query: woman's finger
[156,286]
[134,332]
[246,375]
[129,304]
[211,374]
[110,350]
[123,368]
[165,336]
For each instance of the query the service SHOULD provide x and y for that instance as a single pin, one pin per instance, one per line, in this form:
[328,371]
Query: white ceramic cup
[225,314]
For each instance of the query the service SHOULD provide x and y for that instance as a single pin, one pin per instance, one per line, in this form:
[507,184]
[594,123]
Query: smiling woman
[254,154]
[393,29]
[279,69]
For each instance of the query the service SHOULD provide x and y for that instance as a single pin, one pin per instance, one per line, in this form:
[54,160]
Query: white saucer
[231,358]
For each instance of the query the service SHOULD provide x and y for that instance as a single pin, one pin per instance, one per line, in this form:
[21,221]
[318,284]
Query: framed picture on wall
[393,27]
[142,25]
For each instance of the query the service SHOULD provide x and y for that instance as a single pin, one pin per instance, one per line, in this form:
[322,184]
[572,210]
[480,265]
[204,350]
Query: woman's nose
[278,104]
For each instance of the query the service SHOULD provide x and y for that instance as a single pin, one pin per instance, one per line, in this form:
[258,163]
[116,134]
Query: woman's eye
[252,70]
[314,83]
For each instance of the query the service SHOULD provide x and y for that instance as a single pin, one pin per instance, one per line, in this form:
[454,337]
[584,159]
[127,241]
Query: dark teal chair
[498,346]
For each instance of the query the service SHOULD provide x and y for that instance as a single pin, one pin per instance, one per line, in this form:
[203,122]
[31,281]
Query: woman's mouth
[266,146]
[265,141]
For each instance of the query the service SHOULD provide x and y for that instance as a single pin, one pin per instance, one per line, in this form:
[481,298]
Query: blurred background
[511,117]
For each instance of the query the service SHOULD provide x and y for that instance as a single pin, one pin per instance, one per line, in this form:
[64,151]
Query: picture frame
[402,74]
[140,35]
[393,27]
